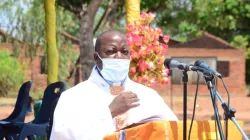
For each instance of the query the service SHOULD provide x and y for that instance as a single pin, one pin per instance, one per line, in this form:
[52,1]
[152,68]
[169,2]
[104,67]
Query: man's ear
[95,55]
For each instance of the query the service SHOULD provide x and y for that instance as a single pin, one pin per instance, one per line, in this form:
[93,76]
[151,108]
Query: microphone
[170,64]
[203,65]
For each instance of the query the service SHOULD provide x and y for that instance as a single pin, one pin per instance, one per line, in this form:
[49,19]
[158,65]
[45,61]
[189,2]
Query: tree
[52,53]
[27,24]
[112,17]
[86,12]
[228,19]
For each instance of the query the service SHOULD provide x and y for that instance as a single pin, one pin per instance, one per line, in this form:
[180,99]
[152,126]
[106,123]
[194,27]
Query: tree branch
[93,7]
[107,10]
[112,16]
[73,68]
[68,5]
[74,39]
[157,8]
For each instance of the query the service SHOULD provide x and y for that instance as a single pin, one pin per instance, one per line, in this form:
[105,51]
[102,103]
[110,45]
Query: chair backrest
[22,102]
[51,118]
[51,93]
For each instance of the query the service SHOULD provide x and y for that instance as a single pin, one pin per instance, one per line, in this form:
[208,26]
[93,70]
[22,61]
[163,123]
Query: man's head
[111,44]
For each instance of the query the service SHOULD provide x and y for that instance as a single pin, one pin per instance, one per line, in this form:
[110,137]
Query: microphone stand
[208,79]
[185,80]
[229,113]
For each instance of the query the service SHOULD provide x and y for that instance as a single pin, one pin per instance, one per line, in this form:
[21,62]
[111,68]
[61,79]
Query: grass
[248,87]
[248,90]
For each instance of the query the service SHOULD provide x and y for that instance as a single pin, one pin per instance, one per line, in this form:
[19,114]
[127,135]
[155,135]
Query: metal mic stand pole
[230,114]
[213,91]
[185,80]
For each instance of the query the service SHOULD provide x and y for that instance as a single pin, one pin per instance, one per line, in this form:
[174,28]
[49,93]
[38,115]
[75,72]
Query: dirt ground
[204,108]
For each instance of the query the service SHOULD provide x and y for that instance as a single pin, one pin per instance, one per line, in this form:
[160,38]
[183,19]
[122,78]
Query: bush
[147,53]
[11,74]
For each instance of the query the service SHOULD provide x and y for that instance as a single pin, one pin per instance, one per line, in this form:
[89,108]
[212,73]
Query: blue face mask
[114,70]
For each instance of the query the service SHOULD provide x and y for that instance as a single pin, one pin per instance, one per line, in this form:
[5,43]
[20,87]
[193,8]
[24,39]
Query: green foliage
[31,30]
[11,73]
[228,19]
[68,56]
[66,22]
[240,41]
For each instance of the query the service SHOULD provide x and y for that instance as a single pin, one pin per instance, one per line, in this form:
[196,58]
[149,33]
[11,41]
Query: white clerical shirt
[82,112]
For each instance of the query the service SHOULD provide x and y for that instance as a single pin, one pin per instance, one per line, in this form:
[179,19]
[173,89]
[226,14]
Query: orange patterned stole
[121,120]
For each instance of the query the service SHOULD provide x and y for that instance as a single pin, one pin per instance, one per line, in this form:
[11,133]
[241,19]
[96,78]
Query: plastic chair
[39,125]
[49,128]
[21,106]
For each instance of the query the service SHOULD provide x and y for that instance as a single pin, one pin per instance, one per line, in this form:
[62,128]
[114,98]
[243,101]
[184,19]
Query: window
[223,68]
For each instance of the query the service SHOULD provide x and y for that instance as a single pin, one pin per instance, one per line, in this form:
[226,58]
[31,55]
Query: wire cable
[228,103]
[195,98]
[214,98]
[228,95]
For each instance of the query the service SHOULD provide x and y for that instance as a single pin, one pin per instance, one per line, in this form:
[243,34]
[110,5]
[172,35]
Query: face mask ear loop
[99,56]
[100,59]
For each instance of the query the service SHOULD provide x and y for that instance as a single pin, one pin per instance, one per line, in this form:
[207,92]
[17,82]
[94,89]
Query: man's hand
[123,102]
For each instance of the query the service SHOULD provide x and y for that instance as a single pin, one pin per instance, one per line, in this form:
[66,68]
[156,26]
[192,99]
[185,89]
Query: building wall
[235,82]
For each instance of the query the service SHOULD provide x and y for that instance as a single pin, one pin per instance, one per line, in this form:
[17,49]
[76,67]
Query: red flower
[132,70]
[147,53]
[166,38]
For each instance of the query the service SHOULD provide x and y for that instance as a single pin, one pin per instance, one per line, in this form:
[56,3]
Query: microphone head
[203,65]
[198,63]
[167,62]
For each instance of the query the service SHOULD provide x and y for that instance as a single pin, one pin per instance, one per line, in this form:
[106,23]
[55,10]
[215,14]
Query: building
[218,54]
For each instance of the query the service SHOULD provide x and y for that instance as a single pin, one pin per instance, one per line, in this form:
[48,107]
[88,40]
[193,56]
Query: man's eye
[110,52]
[125,52]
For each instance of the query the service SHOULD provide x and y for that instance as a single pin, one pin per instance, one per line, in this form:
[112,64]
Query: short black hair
[98,40]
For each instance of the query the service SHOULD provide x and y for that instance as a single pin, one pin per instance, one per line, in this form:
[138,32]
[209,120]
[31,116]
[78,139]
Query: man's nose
[118,54]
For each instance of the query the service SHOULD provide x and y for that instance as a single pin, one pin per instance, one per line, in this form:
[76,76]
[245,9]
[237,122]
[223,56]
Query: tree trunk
[52,53]
[132,10]
[86,38]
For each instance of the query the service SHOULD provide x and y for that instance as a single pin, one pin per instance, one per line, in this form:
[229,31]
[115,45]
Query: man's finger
[133,100]
[135,104]
[130,94]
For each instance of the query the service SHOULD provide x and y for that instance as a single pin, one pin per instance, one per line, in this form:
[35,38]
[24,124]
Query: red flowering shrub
[147,53]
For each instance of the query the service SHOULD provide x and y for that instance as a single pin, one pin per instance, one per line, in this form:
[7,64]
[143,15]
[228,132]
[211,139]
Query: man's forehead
[113,35]
[116,37]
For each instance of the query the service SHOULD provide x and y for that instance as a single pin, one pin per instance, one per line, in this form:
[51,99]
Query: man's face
[113,45]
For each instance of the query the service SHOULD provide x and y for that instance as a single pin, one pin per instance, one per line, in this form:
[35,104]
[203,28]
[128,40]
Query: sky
[5,21]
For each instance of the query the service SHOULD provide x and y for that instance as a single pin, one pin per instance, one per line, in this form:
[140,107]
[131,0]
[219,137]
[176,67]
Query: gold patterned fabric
[115,90]
[121,120]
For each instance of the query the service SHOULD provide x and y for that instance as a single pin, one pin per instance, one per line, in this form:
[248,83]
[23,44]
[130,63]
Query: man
[108,100]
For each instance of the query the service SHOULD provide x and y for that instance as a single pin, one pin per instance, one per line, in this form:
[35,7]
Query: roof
[207,41]
[170,42]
